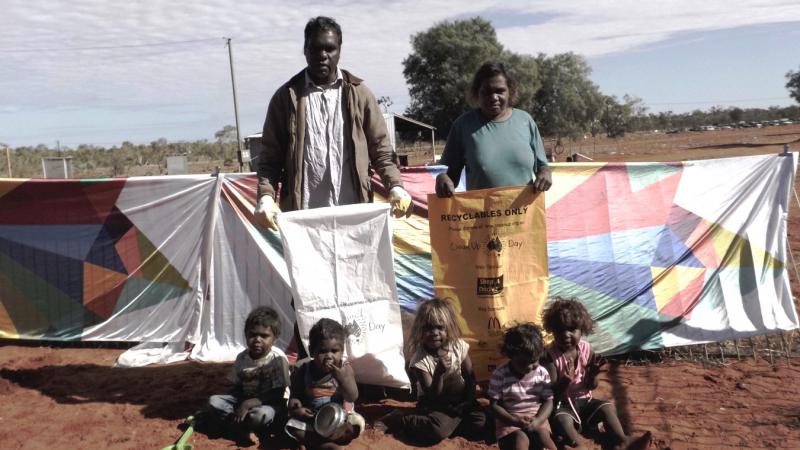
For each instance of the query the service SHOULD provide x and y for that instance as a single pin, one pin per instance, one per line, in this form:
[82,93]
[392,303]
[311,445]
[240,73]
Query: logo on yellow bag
[490,286]
[495,245]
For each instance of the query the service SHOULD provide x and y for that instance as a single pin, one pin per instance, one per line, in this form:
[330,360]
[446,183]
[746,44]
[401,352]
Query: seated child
[260,376]
[323,379]
[520,392]
[442,369]
[574,369]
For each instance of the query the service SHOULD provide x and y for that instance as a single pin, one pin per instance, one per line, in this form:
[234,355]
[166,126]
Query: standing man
[323,131]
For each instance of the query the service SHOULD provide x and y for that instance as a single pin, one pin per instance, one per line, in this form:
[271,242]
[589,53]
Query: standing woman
[498,144]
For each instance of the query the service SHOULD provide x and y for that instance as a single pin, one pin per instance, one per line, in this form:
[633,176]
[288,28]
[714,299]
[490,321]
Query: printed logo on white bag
[359,326]
[356,328]
[353,330]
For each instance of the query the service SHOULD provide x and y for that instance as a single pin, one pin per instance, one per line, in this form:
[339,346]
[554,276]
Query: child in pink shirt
[573,367]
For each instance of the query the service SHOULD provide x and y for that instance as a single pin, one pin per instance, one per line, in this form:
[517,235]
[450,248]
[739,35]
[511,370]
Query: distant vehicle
[673,131]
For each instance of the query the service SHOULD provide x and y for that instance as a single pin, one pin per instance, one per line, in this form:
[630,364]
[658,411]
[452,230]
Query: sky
[106,71]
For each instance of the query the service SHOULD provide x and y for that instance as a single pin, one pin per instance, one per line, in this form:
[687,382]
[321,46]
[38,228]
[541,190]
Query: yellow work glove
[401,202]
[266,212]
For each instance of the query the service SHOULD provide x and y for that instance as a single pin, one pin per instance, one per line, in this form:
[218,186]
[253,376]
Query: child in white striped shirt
[520,393]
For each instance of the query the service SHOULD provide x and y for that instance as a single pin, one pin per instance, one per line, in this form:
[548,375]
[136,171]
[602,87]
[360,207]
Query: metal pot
[330,419]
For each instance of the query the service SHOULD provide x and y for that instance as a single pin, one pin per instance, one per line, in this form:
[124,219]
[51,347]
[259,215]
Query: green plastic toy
[181,443]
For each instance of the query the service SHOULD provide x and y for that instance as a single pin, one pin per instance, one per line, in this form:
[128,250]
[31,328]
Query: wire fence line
[776,349]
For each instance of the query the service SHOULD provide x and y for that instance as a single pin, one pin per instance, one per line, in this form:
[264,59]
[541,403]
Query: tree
[524,69]
[227,140]
[226,135]
[736,114]
[440,67]
[556,90]
[567,103]
[613,117]
[385,102]
[663,120]
[617,117]
[793,84]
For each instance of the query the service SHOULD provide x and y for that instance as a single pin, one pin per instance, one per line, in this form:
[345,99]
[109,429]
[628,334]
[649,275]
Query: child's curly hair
[434,311]
[567,314]
[264,316]
[523,339]
[325,329]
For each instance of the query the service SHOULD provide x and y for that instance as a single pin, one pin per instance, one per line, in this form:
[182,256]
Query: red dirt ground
[72,398]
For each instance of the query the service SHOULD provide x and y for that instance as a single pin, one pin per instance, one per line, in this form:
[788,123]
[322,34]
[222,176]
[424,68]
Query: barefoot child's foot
[388,421]
[637,442]
[379,425]
[245,439]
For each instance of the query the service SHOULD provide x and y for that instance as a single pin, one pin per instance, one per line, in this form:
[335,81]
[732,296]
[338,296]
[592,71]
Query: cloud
[600,28]
[92,59]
